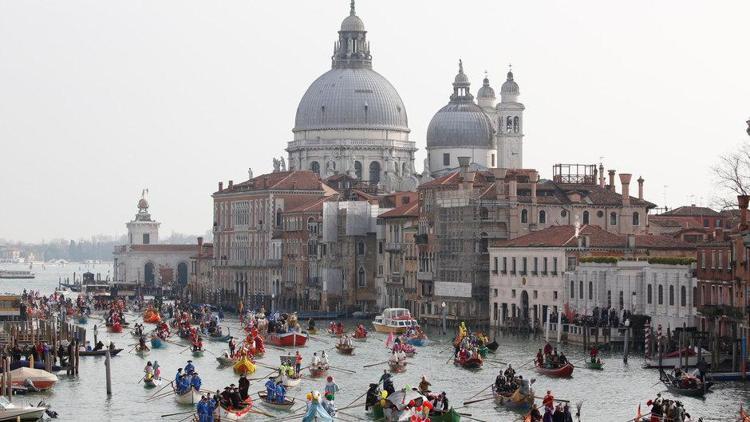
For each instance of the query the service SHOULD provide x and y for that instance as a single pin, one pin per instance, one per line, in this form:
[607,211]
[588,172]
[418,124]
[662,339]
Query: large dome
[351,98]
[460,124]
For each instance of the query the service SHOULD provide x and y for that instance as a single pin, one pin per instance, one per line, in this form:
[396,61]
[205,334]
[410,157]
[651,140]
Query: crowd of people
[550,358]
[186,379]
[667,409]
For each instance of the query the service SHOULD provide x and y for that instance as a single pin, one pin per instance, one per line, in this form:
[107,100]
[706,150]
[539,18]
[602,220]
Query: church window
[403,169]
[374,172]
[361,248]
[146,238]
[612,219]
[636,219]
[508,124]
[446,159]
[515,124]
[524,216]
[358,169]
[361,281]
[315,167]
[542,217]
[585,217]
[493,161]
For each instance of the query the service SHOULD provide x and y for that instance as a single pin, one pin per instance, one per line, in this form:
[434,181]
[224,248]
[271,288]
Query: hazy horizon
[102,99]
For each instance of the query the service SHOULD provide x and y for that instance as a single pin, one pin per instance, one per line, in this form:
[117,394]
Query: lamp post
[625,346]
[444,313]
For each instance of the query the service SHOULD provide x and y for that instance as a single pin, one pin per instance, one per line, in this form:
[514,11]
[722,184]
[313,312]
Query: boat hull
[224,361]
[190,397]
[230,414]
[22,414]
[382,328]
[449,416]
[287,405]
[595,366]
[100,352]
[318,372]
[151,383]
[287,339]
[419,342]
[345,350]
[519,402]
[562,372]
[397,368]
[473,363]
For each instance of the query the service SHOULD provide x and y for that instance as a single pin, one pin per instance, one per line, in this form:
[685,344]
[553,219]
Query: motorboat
[394,320]
[12,412]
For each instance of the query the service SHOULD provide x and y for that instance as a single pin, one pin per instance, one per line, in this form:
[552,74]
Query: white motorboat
[11,412]
[394,320]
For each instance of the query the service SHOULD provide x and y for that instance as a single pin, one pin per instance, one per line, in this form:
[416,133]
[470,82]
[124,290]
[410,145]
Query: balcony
[396,247]
[424,275]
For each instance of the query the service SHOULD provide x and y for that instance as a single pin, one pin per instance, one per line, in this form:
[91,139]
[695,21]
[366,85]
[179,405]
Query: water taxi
[394,320]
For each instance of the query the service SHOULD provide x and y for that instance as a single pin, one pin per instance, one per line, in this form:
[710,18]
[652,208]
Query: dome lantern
[352,50]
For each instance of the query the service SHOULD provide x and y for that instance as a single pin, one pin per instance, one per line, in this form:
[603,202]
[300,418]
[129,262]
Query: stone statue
[276,165]
[330,168]
[283,163]
[249,173]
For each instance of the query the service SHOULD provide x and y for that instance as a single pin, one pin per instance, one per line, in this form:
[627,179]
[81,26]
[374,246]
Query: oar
[179,413]
[350,405]
[560,400]
[342,369]
[478,400]
[350,415]
[261,413]
[483,390]
[532,360]
[374,364]
[185,349]
[157,391]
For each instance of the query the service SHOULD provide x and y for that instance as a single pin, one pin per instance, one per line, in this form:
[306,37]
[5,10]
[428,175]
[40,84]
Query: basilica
[352,121]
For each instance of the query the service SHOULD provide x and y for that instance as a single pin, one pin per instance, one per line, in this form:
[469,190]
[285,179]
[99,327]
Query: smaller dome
[486,90]
[510,87]
[460,125]
[461,78]
[352,23]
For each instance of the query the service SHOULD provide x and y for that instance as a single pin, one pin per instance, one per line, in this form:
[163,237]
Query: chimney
[200,246]
[625,181]
[601,176]
[534,179]
[640,188]
[612,180]
[221,186]
[631,241]
[742,201]
[463,163]
[231,183]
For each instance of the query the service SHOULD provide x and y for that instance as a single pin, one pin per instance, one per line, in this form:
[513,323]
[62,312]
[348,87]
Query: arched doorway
[149,275]
[525,305]
[182,274]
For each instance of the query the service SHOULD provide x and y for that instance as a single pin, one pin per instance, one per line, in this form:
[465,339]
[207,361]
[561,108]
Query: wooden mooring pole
[107,366]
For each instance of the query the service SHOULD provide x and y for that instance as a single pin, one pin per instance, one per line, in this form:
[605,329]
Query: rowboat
[151,382]
[344,350]
[156,343]
[445,416]
[190,397]
[514,400]
[471,363]
[244,366]
[397,367]
[394,320]
[41,379]
[232,414]
[335,333]
[318,372]
[293,339]
[290,381]
[595,365]
[101,352]
[698,389]
[286,405]
[561,372]
[225,361]
[197,353]
[219,337]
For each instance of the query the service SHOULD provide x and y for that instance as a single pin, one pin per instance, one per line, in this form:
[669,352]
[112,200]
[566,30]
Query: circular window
[563,213]
[600,213]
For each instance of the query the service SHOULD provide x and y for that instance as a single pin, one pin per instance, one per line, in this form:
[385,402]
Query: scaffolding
[576,174]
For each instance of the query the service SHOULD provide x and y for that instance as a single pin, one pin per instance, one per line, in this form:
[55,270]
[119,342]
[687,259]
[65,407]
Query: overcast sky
[99,99]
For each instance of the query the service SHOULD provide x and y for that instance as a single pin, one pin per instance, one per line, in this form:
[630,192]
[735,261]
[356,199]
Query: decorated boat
[335,333]
[514,400]
[344,350]
[689,386]
[231,414]
[475,362]
[291,339]
[359,335]
[151,316]
[191,396]
[408,350]
[115,328]
[318,372]
[244,366]
[285,405]
[561,372]
[394,320]
[397,367]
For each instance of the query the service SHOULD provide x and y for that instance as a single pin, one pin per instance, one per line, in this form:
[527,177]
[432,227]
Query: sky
[100,99]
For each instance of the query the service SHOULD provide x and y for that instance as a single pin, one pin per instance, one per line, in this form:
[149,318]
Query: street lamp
[444,311]
[625,345]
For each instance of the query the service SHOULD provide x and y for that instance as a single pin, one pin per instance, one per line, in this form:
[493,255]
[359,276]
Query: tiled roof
[164,248]
[314,205]
[406,210]
[564,236]
[691,211]
[663,222]
[281,180]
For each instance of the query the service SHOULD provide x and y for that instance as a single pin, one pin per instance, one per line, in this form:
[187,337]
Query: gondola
[561,372]
[286,405]
[102,352]
[698,389]
[318,372]
[475,362]
[514,400]
[344,350]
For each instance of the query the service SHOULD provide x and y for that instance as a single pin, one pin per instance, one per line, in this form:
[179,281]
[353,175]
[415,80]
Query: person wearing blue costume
[210,406]
[270,390]
[178,375]
[189,368]
[196,381]
[205,410]
[183,384]
[280,392]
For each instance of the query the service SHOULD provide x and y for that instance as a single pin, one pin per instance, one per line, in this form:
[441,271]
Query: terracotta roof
[663,222]
[406,210]
[691,211]
[165,248]
[280,180]
[314,205]
[564,236]
[653,241]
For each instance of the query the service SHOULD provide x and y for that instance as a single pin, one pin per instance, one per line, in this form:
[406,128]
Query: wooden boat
[561,372]
[293,339]
[394,320]
[318,372]
[595,365]
[101,352]
[698,389]
[514,400]
[232,414]
[493,346]
[290,381]
[397,367]
[225,361]
[115,328]
[219,337]
[190,397]
[198,353]
[471,363]
[344,350]
[445,416]
[156,343]
[286,405]
[151,382]
[244,366]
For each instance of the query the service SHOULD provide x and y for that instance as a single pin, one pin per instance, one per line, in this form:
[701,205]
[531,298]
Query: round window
[563,213]
[600,213]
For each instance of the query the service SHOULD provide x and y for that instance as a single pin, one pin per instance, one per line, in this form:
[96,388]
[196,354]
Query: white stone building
[352,121]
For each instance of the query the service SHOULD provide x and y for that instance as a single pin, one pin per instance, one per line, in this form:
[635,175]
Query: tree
[732,173]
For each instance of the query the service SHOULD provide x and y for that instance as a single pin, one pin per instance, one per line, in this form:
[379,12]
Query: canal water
[610,395]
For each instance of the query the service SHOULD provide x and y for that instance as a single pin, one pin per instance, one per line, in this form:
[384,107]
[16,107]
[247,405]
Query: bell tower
[510,125]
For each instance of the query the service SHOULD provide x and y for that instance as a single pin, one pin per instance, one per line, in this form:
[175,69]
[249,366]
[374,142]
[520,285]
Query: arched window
[572,289]
[660,294]
[361,248]
[182,274]
[515,124]
[585,217]
[636,219]
[671,295]
[580,289]
[149,275]
[361,281]
[591,291]
[315,167]
[649,294]
[683,296]
[509,124]
[524,216]
[542,217]
[358,169]
[612,219]
[374,173]
[312,226]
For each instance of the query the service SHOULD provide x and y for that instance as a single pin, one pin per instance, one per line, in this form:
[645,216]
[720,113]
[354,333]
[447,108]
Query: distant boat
[16,274]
